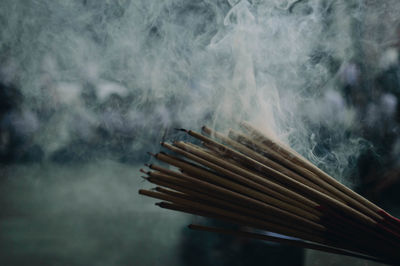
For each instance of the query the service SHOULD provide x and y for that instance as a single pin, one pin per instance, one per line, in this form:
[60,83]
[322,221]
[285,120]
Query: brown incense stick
[228,215]
[313,177]
[292,155]
[278,210]
[308,190]
[266,186]
[255,181]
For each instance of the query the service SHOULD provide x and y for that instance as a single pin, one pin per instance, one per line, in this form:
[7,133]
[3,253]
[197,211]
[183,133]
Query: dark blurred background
[81,104]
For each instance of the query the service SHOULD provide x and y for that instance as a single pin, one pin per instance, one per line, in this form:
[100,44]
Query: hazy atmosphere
[88,87]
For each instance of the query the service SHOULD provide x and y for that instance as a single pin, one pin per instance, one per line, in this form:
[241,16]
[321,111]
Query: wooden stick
[299,168]
[297,158]
[314,194]
[269,167]
[230,187]
[211,190]
[273,158]
[206,193]
[259,182]
[220,192]
[290,210]
[263,165]
[227,171]
[168,180]
[253,214]
[263,184]
[289,232]
[212,201]
[345,196]
[229,215]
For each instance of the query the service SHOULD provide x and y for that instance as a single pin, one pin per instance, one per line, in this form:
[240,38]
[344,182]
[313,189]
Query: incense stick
[253,180]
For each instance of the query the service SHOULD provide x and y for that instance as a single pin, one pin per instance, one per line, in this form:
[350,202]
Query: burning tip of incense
[191,226]
[182,129]
[151,154]
[144,171]
[161,204]
[206,130]
[164,144]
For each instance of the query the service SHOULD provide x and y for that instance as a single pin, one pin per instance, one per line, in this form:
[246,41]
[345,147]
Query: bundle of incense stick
[255,181]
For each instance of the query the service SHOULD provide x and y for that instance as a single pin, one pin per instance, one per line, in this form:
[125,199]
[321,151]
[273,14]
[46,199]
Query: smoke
[138,68]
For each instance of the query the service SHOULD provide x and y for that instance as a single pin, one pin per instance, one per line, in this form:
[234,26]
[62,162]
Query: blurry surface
[316,258]
[83,215]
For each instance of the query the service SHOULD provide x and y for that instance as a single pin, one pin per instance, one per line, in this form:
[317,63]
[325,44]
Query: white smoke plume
[185,63]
